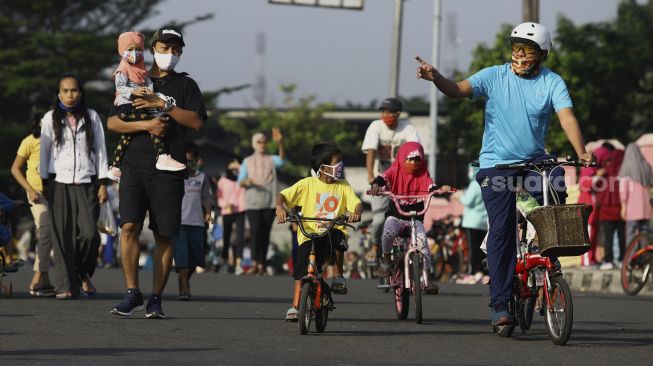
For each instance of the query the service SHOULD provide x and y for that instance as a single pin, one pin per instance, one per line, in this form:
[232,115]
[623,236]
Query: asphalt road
[239,320]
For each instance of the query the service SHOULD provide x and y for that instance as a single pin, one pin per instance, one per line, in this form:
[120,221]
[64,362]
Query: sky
[341,55]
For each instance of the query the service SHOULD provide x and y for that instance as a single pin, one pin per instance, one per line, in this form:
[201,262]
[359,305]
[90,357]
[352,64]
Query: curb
[600,281]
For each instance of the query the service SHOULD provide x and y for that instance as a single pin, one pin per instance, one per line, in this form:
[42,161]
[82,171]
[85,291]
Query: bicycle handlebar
[544,164]
[424,198]
[293,217]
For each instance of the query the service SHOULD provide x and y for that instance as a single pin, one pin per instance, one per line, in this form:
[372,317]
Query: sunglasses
[528,49]
[415,159]
[261,142]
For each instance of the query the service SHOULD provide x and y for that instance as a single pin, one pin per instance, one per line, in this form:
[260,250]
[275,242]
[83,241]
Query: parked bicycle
[409,268]
[561,231]
[637,263]
[450,251]
[315,299]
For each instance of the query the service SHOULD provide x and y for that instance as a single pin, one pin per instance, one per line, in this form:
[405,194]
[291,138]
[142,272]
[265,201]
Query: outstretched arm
[450,88]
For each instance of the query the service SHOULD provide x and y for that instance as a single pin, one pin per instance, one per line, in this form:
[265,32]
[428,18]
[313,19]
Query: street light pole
[396,48]
[433,110]
[531,11]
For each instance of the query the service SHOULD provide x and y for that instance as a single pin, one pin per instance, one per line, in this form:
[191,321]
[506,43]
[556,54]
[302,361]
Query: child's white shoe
[114,173]
[166,162]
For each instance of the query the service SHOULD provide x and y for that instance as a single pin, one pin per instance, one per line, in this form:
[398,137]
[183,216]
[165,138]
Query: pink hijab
[401,182]
[136,72]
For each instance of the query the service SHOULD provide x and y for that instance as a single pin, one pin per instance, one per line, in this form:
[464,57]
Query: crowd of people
[68,172]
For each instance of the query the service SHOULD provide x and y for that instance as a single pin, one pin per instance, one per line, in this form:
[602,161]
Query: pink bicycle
[409,268]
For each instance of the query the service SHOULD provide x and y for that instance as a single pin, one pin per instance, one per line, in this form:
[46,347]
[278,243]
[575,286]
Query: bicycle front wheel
[305,308]
[416,265]
[559,311]
[636,265]
[322,315]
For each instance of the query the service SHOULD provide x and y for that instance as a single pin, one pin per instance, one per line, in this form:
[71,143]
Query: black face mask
[232,174]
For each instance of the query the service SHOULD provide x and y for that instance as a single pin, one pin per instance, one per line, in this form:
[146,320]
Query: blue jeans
[499,196]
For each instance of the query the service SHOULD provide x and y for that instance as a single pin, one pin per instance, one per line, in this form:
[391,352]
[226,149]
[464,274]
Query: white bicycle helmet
[532,33]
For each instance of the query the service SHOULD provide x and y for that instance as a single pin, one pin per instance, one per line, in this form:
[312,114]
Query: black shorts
[156,192]
[325,247]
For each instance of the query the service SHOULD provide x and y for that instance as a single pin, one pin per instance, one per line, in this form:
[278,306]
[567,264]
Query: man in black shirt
[143,188]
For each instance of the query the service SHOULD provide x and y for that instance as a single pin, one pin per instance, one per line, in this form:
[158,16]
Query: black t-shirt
[141,154]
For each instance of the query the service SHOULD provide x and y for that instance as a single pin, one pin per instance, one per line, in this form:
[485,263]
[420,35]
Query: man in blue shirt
[520,97]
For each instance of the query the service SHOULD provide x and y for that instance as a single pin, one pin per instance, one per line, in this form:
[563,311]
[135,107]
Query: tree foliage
[302,123]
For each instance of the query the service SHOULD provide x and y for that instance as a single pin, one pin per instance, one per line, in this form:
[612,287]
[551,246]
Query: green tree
[302,123]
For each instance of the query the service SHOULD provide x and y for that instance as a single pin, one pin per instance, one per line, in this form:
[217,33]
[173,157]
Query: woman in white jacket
[74,170]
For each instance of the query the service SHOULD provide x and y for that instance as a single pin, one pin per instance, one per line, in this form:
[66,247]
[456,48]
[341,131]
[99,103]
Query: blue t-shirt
[517,112]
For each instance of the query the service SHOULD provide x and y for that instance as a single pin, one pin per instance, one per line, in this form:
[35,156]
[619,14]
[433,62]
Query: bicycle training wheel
[559,311]
[636,266]
[305,308]
[416,266]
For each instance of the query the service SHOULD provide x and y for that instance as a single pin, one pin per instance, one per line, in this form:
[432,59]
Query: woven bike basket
[561,229]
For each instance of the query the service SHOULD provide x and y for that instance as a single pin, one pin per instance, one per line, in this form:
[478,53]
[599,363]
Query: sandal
[65,295]
[90,289]
[291,314]
[339,285]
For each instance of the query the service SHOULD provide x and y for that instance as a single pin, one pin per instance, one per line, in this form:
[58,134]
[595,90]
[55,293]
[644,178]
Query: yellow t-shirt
[319,199]
[30,149]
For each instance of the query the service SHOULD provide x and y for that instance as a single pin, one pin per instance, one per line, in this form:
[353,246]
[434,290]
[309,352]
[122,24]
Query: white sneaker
[114,174]
[606,266]
[166,162]
[238,271]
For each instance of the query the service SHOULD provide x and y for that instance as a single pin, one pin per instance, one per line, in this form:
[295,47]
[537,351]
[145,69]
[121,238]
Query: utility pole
[531,11]
[396,48]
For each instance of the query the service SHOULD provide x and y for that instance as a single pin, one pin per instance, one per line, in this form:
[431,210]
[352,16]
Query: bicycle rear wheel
[305,312]
[559,312]
[636,266]
[416,265]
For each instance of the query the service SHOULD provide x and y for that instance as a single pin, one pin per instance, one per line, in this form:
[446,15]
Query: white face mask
[337,171]
[166,61]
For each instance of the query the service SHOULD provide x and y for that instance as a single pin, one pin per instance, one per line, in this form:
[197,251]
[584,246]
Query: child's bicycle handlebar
[423,198]
[299,219]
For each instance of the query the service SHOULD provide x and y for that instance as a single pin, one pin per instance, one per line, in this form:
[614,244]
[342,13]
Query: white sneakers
[166,162]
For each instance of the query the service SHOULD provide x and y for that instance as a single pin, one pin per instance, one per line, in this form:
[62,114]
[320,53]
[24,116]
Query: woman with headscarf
[635,181]
[258,174]
[73,168]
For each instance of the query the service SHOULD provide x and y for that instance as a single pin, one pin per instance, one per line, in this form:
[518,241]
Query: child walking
[406,176]
[325,195]
[196,208]
[132,81]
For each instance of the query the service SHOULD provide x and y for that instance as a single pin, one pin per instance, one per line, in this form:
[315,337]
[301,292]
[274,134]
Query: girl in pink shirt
[636,179]
[231,200]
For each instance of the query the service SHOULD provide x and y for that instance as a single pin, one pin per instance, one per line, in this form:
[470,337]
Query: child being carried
[132,81]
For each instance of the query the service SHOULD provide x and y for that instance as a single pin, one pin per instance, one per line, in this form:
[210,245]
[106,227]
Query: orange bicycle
[315,299]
